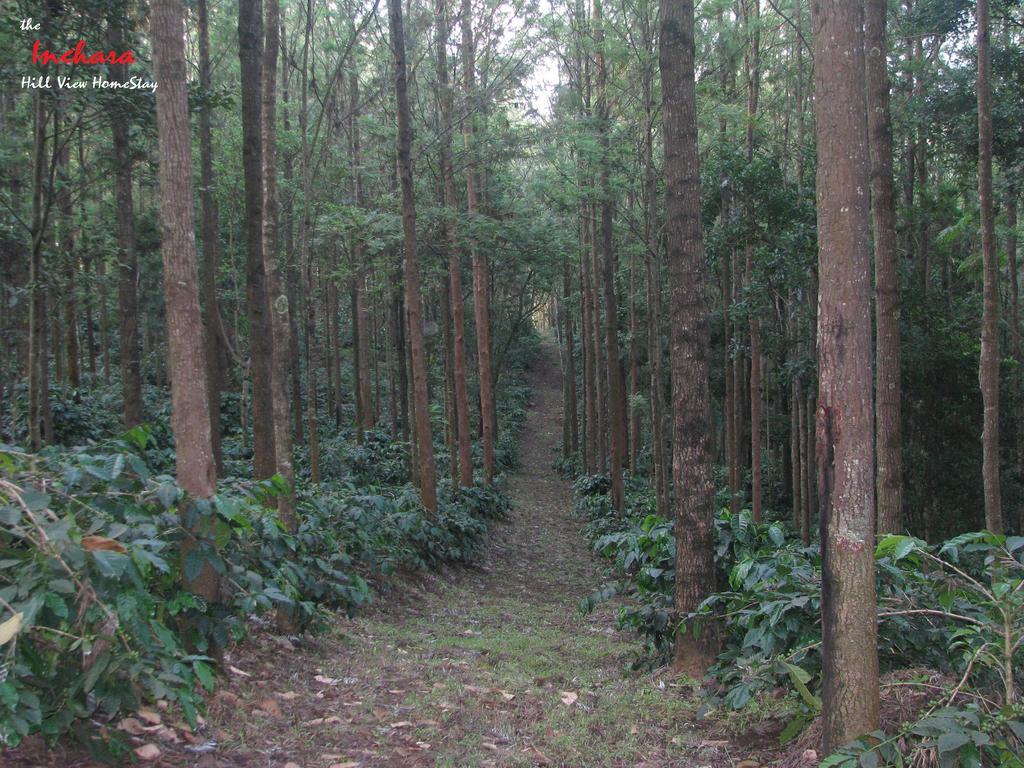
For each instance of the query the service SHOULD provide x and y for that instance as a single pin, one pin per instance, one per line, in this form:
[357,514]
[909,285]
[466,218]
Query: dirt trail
[491,665]
[486,666]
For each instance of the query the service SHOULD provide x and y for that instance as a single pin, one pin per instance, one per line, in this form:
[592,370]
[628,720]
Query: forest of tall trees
[579,383]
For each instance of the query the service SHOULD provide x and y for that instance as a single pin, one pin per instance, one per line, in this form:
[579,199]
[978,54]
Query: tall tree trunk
[659,450]
[277,299]
[293,270]
[889,470]
[56,338]
[463,437]
[361,311]
[426,470]
[989,368]
[921,169]
[845,419]
[70,268]
[38,367]
[444,319]
[691,337]
[481,302]
[731,405]
[634,370]
[796,484]
[807,467]
[753,94]
[600,352]
[216,347]
[804,418]
[590,425]
[104,318]
[250,52]
[190,412]
[90,319]
[306,265]
[128,262]
[616,412]
[1015,330]
[571,415]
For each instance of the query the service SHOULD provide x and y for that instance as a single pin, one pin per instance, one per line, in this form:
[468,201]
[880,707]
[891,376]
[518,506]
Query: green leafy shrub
[91,563]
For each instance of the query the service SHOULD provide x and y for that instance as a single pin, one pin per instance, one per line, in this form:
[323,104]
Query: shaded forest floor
[486,666]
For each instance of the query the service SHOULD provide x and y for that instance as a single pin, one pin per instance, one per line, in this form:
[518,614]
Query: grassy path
[489,666]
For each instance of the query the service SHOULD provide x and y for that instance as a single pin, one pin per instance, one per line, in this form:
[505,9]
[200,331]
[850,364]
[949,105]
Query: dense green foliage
[956,607]
[91,560]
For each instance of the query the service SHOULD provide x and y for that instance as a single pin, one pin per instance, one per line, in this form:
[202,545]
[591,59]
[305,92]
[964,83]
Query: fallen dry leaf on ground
[148,752]
[271,707]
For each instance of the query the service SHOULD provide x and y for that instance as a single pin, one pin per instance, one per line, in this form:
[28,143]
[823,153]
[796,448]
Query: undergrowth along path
[491,665]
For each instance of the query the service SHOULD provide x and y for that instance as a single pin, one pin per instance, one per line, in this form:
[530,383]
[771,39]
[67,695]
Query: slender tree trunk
[38,368]
[634,370]
[845,418]
[600,356]
[731,405]
[659,450]
[361,317]
[753,94]
[481,303]
[277,299]
[590,425]
[190,412]
[800,139]
[366,420]
[989,368]
[616,413]
[921,169]
[426,470]
[691,338]
[1015,331]
[293,270]
[572,447]
[450,426]
[90,319]
[401,359]
[70,268]
[463,455]
[216,348]
[128,262]
[306,265]
[889,477]
[808,470]
[56,340]
[796,484]
[250,52]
